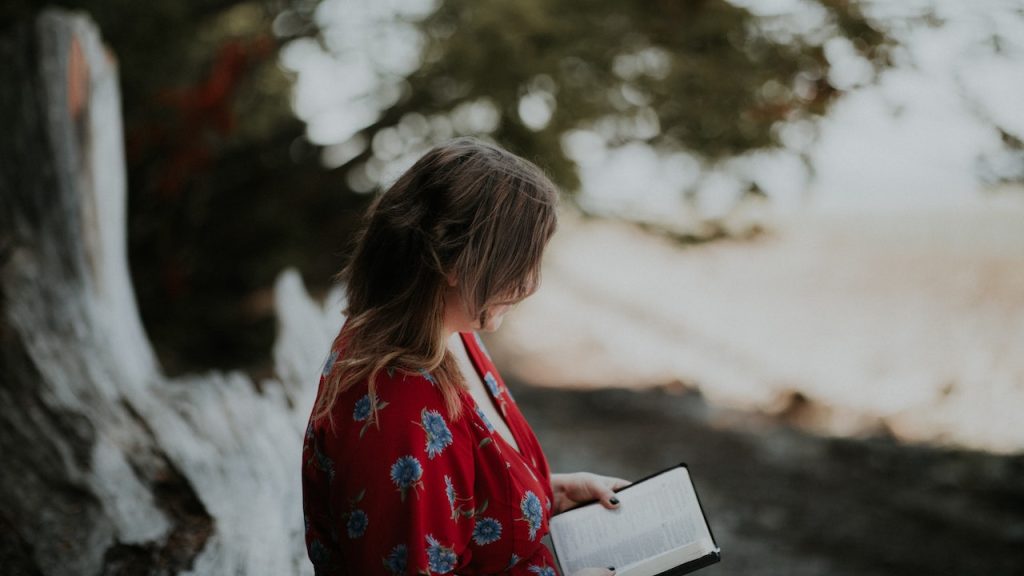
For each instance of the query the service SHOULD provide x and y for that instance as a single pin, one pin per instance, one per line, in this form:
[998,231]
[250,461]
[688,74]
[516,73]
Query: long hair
[468,210]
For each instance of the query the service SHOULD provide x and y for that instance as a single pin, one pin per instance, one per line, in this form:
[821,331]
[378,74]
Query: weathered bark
[108,466]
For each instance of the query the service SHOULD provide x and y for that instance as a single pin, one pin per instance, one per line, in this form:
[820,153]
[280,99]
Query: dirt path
[782,501]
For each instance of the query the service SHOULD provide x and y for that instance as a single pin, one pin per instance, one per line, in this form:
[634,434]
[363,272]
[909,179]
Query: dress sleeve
[409,505]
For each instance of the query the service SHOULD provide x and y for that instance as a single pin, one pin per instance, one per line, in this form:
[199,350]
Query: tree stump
[109,467]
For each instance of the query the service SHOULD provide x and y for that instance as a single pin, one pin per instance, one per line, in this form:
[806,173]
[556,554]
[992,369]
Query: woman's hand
[579,487]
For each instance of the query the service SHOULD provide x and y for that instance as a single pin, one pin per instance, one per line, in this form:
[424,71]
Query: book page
[655,516]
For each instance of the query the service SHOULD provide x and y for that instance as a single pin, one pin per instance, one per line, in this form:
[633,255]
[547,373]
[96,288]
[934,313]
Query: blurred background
[792,233]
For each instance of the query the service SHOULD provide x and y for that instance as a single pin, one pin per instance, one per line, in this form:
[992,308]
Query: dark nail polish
[611,567]
[614,500]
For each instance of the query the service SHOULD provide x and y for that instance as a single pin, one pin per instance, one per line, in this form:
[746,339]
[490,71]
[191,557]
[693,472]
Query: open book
[659,529]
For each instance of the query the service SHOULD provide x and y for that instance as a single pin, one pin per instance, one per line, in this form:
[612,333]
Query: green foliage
[220,197]
[710,79]
[224,191]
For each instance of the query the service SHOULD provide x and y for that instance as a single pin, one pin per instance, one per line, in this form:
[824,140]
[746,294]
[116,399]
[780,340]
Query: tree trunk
[108,466]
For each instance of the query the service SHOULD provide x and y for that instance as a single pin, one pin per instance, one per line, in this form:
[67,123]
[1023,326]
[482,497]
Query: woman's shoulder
[404,409]
[408,390]
[401,390]
[397,397]
[388,377]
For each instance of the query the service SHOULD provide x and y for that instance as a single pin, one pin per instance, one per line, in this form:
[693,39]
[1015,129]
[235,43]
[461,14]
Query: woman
[417,459]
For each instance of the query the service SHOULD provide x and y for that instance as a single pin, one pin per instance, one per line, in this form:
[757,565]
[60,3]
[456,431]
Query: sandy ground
[908,324]
[846,390]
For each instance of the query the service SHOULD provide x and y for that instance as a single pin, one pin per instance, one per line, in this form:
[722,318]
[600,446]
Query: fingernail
[611,567]
[614,500]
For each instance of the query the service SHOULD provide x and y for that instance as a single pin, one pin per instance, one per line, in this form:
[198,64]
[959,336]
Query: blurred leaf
[715,83]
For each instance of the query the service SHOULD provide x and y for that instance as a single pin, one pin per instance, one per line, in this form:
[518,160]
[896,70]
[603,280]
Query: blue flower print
[397,559]
[459,511]
[316,458]
[480,413]
[329,363]
[356,525]
[429,378]
[487,530]
[512,561]
[440,559]
[532,512]
[319,555]
[323,462]
[449,490]
[439,436]
[406,473]
[492,384]
[363,408]
[541,570]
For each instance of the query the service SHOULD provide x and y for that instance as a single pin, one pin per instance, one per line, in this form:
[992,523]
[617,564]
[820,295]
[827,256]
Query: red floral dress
[423,493]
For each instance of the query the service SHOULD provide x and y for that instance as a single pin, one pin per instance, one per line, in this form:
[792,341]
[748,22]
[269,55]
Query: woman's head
[448,247]
[468,218]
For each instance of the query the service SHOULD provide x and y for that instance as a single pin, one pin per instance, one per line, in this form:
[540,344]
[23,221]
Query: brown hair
[466,209]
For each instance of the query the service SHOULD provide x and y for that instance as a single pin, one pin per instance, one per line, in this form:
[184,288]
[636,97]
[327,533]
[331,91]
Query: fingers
[587,485]
[608,498]
[601,488]
[619,483]
[606,495]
